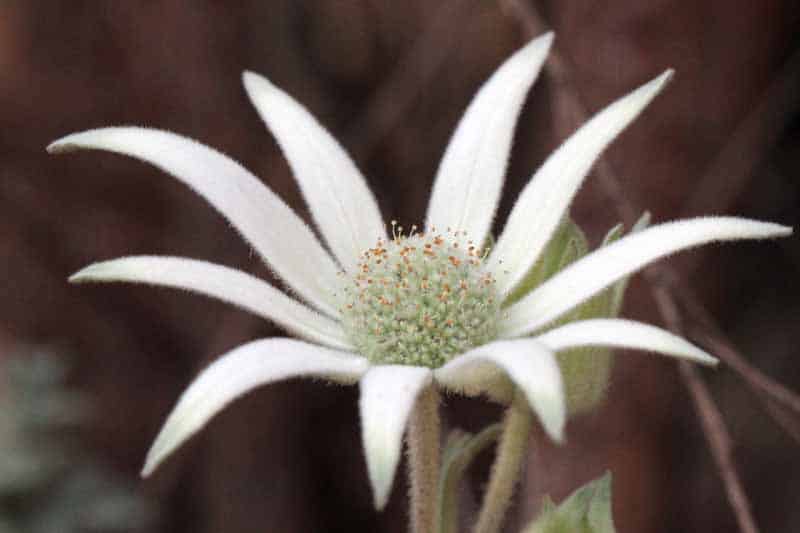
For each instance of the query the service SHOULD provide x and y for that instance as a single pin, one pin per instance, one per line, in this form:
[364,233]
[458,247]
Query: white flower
[402,312]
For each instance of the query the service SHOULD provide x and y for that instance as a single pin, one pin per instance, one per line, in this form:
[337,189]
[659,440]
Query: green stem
[459,455]
[423,460]
[507,468]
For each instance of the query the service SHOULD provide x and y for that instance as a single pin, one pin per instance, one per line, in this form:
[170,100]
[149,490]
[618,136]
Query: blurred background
[390,79]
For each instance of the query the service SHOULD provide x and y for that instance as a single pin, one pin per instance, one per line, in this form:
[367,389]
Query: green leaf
[587,510]
[48,480]
[460,450]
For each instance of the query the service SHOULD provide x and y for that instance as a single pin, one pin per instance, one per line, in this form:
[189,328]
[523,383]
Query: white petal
[470,177]
[531,366]
[388,394]
[543,202]
[226,284]
[342,205]
[590,275]
[265,221]
[237,373]
[618,333]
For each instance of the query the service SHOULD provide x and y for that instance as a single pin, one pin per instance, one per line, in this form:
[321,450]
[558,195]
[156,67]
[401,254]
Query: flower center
[420,299]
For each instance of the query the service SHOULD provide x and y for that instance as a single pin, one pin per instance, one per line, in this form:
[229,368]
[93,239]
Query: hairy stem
[508,465]
[424,461]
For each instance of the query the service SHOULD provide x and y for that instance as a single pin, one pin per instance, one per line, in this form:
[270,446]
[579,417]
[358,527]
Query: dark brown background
[390,79]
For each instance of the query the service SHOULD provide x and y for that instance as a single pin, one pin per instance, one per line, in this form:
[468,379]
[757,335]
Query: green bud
[567,245]
[586,371]
[587,510]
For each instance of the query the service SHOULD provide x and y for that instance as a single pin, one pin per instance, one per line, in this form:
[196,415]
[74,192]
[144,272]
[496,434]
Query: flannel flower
[402,310]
